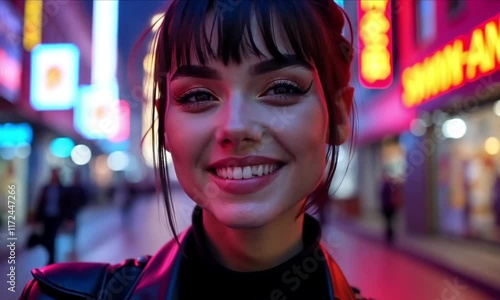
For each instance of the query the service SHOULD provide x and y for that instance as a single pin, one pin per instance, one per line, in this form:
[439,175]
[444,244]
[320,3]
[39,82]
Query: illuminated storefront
[454,90]
[468,181]
[456,93]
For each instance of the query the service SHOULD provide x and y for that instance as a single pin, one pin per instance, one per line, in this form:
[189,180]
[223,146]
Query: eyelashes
[287,88]
[279,92]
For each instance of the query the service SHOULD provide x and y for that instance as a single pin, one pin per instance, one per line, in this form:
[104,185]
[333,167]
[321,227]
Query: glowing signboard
[375,43]
[463,60]
[96,115]
[54,76]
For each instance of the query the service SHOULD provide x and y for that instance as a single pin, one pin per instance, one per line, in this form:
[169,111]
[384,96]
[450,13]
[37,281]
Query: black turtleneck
[301,277]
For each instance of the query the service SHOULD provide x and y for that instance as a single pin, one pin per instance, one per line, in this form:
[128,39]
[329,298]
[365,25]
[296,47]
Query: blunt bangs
[185,32]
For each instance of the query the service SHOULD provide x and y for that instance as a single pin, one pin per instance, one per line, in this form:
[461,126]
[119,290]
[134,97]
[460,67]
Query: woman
[249,93]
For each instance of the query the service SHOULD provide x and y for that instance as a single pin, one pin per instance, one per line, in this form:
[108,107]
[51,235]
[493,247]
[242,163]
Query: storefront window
[469,177]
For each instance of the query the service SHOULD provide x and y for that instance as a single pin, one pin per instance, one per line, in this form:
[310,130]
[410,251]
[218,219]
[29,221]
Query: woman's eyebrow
[274,64]
[277,64]
[196,71]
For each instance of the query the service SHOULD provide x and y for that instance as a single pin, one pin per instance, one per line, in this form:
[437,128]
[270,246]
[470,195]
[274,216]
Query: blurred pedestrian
[50,212]
[75,199]
[496,200]
[390,200]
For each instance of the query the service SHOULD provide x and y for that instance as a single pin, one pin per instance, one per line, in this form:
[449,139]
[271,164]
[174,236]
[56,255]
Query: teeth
[245,172]
[237,173]
[260,170]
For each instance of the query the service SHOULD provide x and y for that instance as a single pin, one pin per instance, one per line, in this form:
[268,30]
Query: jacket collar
[160,276]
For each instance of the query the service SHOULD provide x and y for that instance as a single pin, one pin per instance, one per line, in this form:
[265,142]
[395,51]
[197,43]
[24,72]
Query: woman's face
[247,140]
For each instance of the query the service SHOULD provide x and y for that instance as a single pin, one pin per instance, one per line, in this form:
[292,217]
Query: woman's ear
[343,110]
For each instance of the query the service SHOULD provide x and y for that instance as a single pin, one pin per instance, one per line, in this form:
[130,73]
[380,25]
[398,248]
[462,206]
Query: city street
[106,234]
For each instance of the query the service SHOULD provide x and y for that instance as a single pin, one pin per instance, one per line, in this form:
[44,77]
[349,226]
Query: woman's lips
[245,172]
[245,185]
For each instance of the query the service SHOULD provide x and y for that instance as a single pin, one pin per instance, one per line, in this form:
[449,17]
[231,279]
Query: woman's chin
[243,217]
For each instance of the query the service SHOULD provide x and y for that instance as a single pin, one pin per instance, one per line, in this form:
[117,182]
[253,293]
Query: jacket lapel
[339,288]
[160,276]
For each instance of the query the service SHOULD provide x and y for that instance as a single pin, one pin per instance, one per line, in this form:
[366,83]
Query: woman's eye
[196,100]
[285,88]
[191,97]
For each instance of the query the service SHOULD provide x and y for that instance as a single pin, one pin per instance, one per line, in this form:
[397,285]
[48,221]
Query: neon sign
[54,76]
[375,43]
[463,60]
[97,115]
[33,15]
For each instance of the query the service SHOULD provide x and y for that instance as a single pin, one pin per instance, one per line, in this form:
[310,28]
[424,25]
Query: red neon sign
[375,43]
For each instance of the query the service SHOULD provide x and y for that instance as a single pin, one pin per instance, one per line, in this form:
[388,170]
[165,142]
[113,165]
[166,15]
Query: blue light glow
[61,147]
[339,2]
[12,135]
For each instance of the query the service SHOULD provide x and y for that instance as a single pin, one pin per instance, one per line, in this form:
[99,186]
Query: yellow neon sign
[375,66]
[463,60]
[33,15]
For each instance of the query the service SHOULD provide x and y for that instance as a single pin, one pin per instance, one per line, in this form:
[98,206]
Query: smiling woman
[252,97]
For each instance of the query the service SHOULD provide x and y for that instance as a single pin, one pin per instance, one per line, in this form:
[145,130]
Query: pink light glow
[10,72]
[123,131]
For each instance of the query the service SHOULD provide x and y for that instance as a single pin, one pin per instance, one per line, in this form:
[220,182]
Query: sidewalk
[97,224]
[103,214]
[473,261]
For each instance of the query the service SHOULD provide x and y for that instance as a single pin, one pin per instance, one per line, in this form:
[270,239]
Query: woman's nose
[238,125]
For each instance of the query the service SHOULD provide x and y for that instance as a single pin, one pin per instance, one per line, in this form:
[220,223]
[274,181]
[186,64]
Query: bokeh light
[118,161]
[62,147]
[492,146]
[454,128]
[496,108]
[81,155]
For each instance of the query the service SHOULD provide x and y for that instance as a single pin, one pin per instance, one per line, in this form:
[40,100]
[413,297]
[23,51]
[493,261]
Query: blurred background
[414,210]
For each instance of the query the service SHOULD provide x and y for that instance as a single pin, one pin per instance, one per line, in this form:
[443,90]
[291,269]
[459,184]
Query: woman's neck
[247,250]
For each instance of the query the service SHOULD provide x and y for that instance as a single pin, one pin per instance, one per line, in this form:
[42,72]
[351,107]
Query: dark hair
[313,29]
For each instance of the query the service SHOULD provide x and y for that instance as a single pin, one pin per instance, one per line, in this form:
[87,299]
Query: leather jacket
[158,279]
